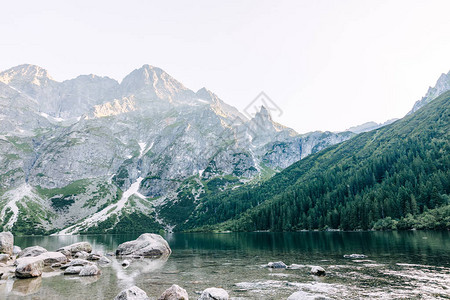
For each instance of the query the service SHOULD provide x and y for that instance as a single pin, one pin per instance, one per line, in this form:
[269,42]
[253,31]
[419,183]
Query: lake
[406,265]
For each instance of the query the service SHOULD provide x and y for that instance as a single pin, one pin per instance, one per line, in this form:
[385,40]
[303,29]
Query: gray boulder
[73,270]
[90,270]
[214,294]
[147,244]
[29,267]
[175,292]
[277,265]
[94,256]
[318,271]
[132,293]
[77,247]
[31,251]
[6,243]
[51,258]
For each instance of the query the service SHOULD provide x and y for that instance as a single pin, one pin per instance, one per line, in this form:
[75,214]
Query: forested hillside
[395,177]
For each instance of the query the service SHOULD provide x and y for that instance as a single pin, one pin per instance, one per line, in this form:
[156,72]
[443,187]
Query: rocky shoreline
[80,260]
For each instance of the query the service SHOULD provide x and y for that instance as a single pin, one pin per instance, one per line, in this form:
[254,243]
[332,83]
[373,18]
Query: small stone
[355,256]
[126,263]
[132,293]
[16,250]
[277,265]
[318,271]
[214,294]
[104,260]
[175,292]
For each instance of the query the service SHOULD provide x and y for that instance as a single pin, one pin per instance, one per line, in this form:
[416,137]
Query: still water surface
[400,265]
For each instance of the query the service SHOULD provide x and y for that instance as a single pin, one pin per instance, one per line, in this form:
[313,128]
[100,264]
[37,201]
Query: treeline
[396,177]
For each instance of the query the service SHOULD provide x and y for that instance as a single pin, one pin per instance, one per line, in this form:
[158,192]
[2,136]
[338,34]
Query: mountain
[369,126]
[442,85]
[91,154]
[393,177]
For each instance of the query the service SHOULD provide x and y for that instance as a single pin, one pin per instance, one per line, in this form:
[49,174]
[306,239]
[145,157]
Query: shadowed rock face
[147,245]
[6,243]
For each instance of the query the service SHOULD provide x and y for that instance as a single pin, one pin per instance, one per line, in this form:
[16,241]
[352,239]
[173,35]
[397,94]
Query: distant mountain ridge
[89,153]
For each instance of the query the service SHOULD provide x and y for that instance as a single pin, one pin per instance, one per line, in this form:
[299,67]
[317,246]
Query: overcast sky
[327,64]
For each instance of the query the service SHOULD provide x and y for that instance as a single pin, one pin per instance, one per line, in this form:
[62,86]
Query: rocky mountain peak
[152,80]
[26,73]
[442,85]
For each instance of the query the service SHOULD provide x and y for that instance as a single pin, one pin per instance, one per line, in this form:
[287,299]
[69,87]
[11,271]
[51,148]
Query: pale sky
[327,64]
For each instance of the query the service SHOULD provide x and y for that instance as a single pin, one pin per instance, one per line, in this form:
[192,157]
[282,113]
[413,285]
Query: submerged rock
[132,293]
[147,245]
[318,271]
[90,270]
[214,294]
[6,243]
[300,295]
[355,256]
[29,267]
[77,247]
[31,251]
[175,292]
[51,258]
[277,265]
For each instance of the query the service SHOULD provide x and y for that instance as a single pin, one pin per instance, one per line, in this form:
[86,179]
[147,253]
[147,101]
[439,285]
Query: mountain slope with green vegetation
[395,177]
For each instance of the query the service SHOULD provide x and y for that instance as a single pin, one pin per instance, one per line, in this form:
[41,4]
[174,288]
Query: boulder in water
[355,256]
[29,267]
[147,245]
[73,270]
[51,258]
[175,292]
[132,293]
[81,255]
[31,251]
[318,271]
[214,294]
[6,243]
[277,265]
[90,270]
[77,262]
[77,247]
